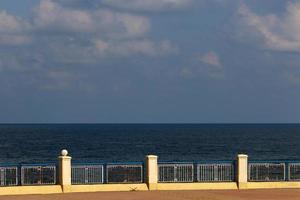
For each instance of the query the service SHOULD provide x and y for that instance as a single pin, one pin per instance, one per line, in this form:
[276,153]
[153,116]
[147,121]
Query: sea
[38,143]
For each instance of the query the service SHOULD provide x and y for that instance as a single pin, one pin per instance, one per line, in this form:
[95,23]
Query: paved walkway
[278,194]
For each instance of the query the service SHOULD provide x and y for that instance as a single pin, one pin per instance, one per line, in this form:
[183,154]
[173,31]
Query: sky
[149,61]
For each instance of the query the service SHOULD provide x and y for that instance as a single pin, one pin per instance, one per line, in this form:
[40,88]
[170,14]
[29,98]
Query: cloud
[141,47]
[148,5]
[11,24]
[13,31]
[50,15]
[82,32]
[60,34]
[213,67]
[206,66]
[211,58]
[281,33]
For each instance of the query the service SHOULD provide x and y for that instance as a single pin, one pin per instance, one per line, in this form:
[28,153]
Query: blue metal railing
[216,171]
[87,173]
[38,174]
[204,171]
[267,171]
[274,170]
[131,172]
[172,172]
[9,175]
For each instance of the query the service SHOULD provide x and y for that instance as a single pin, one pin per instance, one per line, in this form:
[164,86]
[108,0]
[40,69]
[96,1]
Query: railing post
[64,168]
[242,171]
[152,172]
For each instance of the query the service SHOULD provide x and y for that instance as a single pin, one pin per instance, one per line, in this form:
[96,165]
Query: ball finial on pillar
[64,152]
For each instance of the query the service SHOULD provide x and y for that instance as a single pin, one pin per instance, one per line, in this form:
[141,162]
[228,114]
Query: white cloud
[117,33]
[11,24]
[50,15]
[13,30]
[280,33]
[141,47]
[148,5]
[211,58]
[213,67]
[61,35]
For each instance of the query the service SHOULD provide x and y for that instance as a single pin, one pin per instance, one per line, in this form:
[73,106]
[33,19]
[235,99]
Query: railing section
[175,172]
[87,174]
[9,176]
[266,172]
[38,174]
[124,173]
[215,172]
[294,171]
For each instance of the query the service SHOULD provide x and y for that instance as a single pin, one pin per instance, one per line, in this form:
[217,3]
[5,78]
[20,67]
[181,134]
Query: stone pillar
[152,172]
[242,171]
[64,168]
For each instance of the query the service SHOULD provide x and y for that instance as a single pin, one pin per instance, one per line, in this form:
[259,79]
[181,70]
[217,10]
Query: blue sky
[149,61]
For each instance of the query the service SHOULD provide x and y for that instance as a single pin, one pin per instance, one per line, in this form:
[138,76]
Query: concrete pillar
[242,173]
[64,167]
[152,172]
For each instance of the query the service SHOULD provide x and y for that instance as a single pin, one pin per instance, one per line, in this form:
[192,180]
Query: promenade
[277,194]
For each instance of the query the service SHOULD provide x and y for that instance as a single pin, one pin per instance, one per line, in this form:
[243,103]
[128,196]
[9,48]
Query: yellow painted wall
[197,186]
[21,190]
[56,189]
[107,188]
[270,185]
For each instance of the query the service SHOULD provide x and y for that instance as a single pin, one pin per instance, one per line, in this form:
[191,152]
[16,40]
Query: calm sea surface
[130,142]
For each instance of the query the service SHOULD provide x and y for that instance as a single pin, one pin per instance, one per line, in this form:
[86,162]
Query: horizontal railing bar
[274,161]
[76,164]
[126,163]
[200,162]
[180,163]
[216,162]
[9,165]
[38,164]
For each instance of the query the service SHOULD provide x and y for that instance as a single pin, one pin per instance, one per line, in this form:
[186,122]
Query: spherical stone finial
[64,152]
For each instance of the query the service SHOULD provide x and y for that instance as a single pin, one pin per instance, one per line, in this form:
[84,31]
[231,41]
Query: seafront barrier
[66,176]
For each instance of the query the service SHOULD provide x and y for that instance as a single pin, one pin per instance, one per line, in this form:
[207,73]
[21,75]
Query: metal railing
[38,174]
[215,172]
[266,171]
[87,174]
[168,172]
[293,171]
[124,173]
[8,176]
[175,172]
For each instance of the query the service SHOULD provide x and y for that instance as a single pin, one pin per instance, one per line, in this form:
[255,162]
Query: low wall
[22,190]
[106,188]
[197,186]
[57,189]
[270,185]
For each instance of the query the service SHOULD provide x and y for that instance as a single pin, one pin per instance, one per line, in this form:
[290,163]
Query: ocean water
[33,143]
